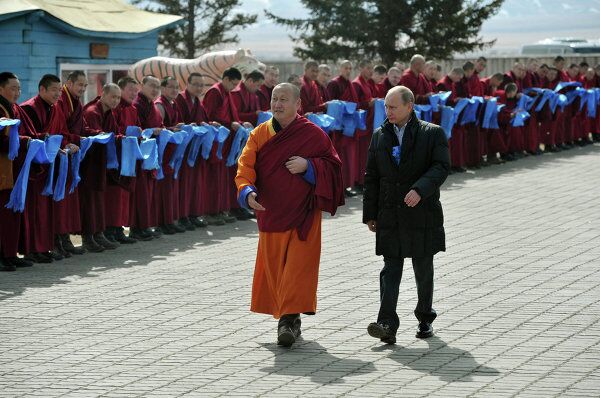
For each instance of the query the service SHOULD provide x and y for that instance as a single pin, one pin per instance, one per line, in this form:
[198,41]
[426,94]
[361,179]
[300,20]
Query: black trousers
[389,284]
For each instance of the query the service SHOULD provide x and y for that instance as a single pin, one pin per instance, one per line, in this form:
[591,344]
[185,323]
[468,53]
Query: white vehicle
[560,46]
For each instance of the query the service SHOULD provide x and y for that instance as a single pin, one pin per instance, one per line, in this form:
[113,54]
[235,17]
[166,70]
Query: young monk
[288,172]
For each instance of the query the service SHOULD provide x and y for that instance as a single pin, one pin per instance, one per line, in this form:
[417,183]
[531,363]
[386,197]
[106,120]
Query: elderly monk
[288,172]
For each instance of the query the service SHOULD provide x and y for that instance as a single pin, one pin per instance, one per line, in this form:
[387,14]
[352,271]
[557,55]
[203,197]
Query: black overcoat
[403,231]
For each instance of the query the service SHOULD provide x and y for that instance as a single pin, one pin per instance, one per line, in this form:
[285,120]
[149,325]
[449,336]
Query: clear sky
[518,22]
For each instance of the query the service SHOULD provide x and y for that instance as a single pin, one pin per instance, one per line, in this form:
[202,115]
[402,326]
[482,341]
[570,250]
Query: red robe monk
[195,182]
[166,195]
[47,118]
[245,98]
[142,212]
[311,100]
[454,83]
[414,79]
[14,229]
[119,189]
[265,90]
[340,88]
[365,92]
[98,118]
[221,108]
[67,212]
[289,173]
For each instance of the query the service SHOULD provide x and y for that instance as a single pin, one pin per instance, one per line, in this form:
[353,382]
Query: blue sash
[379,113]
[424,112]
[107,139]
[263,117]
[75,163]
[13,136]
[19,191]
[166,137]
[447,120]
[207,141]
[322,120]
[470,113]
[237,145]
[177,158]
[562,85]
[61,180]
[149,150]
[196,144]
[490,116]
[439,99]
[48,156]
[220,138]
[130,154]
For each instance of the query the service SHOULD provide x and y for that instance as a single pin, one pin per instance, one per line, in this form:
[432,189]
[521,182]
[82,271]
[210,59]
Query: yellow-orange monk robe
[289,246]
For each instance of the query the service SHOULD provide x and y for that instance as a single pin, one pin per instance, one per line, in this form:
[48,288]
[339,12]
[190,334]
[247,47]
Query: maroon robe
[365,91]
[456,143]
[220,107]
[15,233]
[310,97]
[119,189]
[264,94]
[67,212]
[246,103]
[418,84]
[475,88]
[194,183]
[382,88]
[340,88]
[166,195]
[323,93]
[301,138]
[93,167]
[142,211]
[515,135]
[46,119]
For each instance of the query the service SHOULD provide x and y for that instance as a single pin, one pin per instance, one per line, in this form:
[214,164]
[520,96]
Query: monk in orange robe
[288,172]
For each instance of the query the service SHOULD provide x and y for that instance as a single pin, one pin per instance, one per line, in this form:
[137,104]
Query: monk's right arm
[246,175]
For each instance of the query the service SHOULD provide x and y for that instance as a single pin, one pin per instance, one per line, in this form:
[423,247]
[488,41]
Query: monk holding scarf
[288,172]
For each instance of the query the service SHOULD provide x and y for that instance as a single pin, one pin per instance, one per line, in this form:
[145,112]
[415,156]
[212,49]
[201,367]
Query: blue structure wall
[31,47]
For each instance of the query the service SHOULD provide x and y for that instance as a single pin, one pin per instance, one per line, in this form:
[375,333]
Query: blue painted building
[103,38]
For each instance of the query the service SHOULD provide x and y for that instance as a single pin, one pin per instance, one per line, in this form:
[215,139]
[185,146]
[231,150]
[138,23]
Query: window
[97,75]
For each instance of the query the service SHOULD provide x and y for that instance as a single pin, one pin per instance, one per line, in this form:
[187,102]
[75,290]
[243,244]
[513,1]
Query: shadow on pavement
[310,359]
[450,364]
[90,265]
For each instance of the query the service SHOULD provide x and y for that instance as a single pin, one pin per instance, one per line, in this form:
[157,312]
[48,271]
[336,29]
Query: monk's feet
[288,330]
[285,336]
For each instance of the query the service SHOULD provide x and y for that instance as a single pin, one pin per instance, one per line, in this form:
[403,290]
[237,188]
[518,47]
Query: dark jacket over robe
[403,231]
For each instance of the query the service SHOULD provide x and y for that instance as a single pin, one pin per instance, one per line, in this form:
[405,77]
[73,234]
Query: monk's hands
[253,203]
[372,225]
[235,126]
[412,198]
[248,125]
[296,165]
[72,148]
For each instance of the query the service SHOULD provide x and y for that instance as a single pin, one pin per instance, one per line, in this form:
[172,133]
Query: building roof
[101,18]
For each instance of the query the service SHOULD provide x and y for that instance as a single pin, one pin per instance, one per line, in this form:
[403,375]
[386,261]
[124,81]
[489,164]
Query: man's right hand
[372,225]
[253,203]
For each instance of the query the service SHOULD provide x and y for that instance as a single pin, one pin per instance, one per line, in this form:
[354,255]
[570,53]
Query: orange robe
[287,267]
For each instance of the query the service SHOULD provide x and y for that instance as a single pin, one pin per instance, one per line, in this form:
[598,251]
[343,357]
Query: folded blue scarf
[237,145]
[61,180]
[19,192]
[130,154]
[13,136]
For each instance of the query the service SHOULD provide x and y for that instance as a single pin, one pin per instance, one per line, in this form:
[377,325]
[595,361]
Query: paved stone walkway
[517,294]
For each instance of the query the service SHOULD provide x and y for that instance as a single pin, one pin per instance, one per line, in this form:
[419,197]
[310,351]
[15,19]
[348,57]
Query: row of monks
[205,194]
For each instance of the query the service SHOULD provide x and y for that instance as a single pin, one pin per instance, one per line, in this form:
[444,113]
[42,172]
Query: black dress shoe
[109,235]
[285,336]
[215,219]
[198,222]
[55,255]
[229,219]
[155,232]
[19,262]
[358,188]
[58,247]
[7,266]
[39,258]
[350,193]
[382,332]
[425,330]
[166,229]
[91,245]
[187,224]
[139,234]
[69,247]
[122,238]
[177,228]
[241,214]
[105,243]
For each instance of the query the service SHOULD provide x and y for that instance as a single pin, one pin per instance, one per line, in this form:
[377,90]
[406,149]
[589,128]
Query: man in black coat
[408,161]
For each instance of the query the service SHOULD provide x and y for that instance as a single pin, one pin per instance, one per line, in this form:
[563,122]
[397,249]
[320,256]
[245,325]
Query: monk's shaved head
[292,89]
